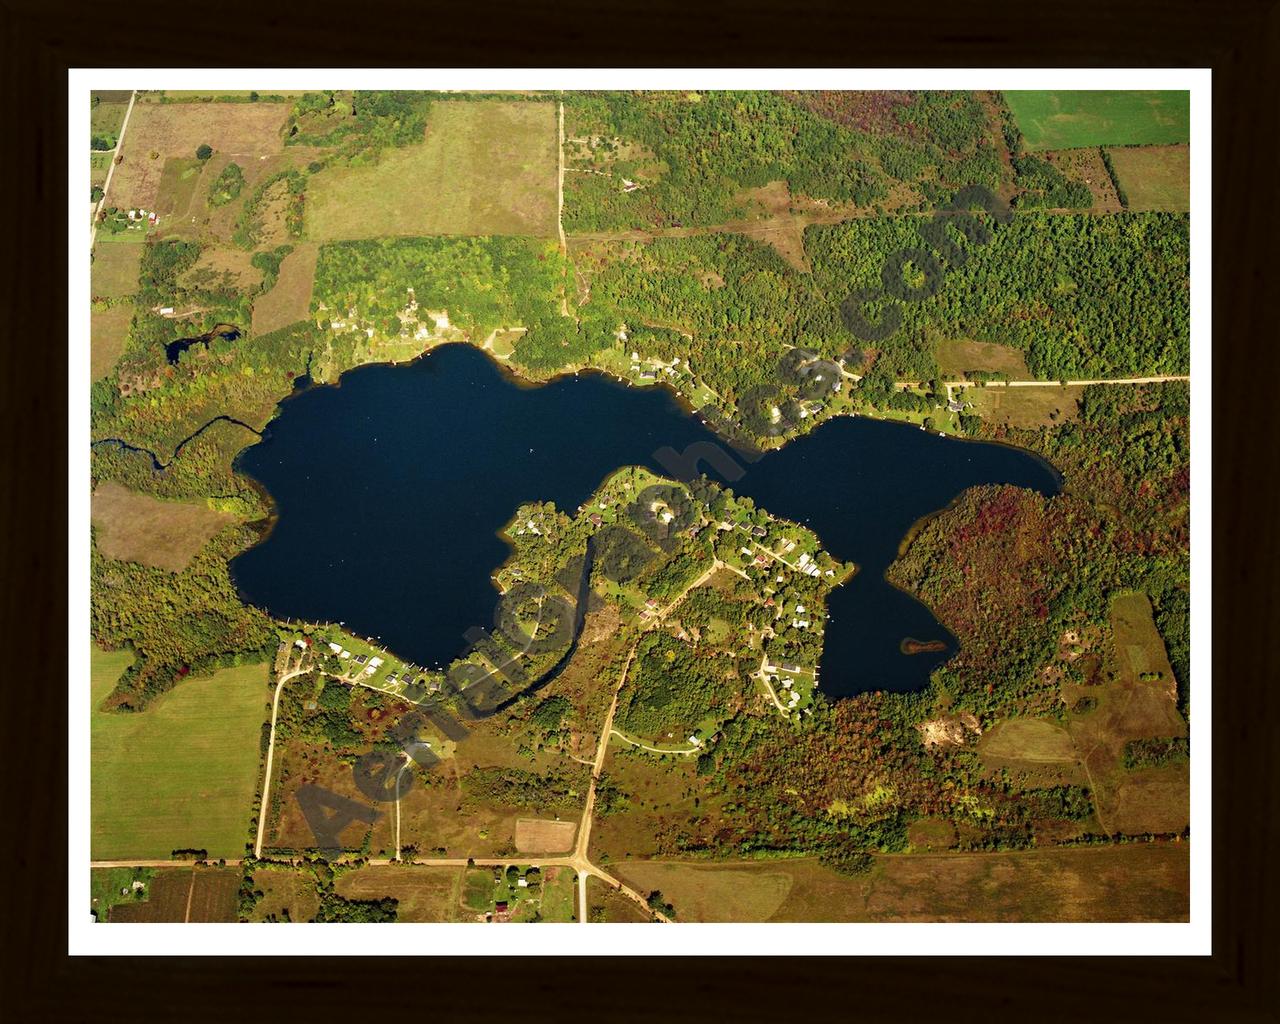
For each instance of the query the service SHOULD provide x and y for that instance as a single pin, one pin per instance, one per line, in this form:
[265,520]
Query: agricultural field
[1025,407]
[484,168]
[289,299]
[165,899]
[956,357]
[181,774]
[425,893]
[1154,177]
[1130,882]
[136,527]
[1070,119]
[108,335]
[168,131]
[213,894]
[114,273]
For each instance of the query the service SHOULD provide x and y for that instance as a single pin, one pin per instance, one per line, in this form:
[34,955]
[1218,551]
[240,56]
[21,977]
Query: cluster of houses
[651,372]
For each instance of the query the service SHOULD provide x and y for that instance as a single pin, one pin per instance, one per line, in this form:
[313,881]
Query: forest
[694,155]
[1081,296]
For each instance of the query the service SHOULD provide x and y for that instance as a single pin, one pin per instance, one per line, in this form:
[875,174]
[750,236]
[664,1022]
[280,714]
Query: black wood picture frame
[1238,39]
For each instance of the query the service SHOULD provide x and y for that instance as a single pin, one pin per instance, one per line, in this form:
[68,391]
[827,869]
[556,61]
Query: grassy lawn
[1052,119]
[1154,177]
[105,885]
[99,163]
[180,775]
[484,168]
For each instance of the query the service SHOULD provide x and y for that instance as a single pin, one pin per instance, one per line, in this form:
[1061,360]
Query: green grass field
[180,775]
[1052,119]
[484,168]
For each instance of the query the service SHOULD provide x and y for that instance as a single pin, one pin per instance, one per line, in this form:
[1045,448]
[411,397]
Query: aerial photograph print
[635,506]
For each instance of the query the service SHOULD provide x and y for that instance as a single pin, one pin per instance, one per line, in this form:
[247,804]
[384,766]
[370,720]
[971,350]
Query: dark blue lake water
[391,487]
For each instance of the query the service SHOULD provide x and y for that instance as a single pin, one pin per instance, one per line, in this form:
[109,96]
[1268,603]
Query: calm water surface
[390,490]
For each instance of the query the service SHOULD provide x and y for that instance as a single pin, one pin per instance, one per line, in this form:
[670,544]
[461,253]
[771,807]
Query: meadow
[1129,882]
[1154,177]
[1051,119]
[180,775]
[136,527]
[484,168]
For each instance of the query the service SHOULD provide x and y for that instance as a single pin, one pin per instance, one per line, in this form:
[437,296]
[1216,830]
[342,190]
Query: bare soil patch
[542,835]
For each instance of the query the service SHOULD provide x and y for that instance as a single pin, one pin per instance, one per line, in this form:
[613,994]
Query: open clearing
[956,356]
[176,130]
[180,775]
[426,894]
[289,299]
[1085,165]
[542,835]
[1138,701]
[1052,119]
[223,267]
[1130,882]
[178,183]
[1028,739]
[114,273]
[485,168]
[1154,177]
[108,333]
[136,527]
[286,896]
[1026,407]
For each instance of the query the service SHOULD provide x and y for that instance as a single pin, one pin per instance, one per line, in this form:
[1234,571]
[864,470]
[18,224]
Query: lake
[390,490]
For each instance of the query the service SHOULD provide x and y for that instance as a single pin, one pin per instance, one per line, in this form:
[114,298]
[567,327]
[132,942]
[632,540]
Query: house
[375,662]
[522,883]
[955,405]
[344,654]
[648,375]
[761,559]
[759,531]
[595,519]
[694,741]
[799,607]
[360,659]
[336,648]
[651,603]
[166,311]
[299,644]
[436,686]
[392,677]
